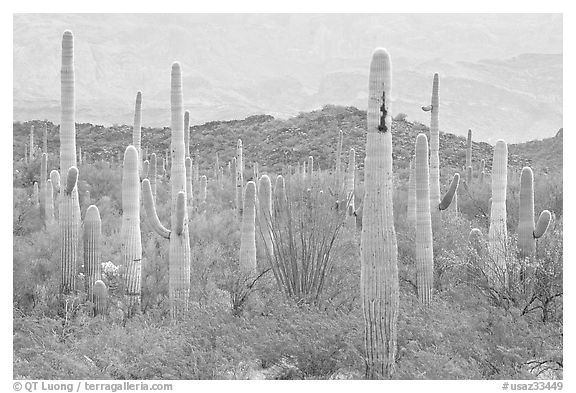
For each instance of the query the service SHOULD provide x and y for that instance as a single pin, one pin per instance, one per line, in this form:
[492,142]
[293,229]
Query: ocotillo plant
[498,233]
[69,208]
[411,214]
[42,195]
[469,152]
[69,217]
[92,237]
[137,130]
[424,250]
[187,134]
[527,231]
[350,176]
[100,298]
[153,173]
[49,203]
[55,177]
[189,194]
[379,250]
[179,251]
[434,108]
[265,211]
[248,265]
[239,178]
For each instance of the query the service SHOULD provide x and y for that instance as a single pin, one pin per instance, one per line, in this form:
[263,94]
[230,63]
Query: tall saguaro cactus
[411,215]
[69,208]
[131,241]
[338,180]
[424,250]
[379,250]
[265,211]
[42,195]
[55,177]
[45,139]
[469,152]
[248,265]
[137,130]
[350,177]
[49,204]
[189,194]
[239,178]
[498,233]
[179,250]
[31,143]
[153,173]
[92,237]
[527,231]
[186,134]
[434,109]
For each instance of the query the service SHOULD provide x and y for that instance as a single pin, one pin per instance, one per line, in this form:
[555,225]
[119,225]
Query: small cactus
[49,203]
[350,176]
[69,218]
[42,195]
[100,298]
[411,215]
[239,178]
[55,178]
[469,152]
[202,190]
[92,239]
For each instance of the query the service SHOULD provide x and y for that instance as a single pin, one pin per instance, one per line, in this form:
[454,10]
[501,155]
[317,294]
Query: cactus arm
[71,180]
[427,108]
[180,208]
[448,197]
[150,208]
[542,224]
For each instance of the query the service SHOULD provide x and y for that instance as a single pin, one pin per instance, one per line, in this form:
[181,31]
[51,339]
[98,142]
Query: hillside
[274,143]
[502,77]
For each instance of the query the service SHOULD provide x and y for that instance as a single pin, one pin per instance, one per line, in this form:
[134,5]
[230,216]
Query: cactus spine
[92,237]
[379,251]
[248,232]
[265,211]
[137,130]
[100,298]
[527,231]
[179,250]
[69,208]
[424,250]
[350,177]
[411,215]
[239,178]
[498,234]
[131,241]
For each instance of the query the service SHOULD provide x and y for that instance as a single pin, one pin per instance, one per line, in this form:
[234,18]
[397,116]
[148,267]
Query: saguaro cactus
[69,232]
[411,215]
[248,265]
[42,195]
[186,134]
[153,173]
[469,151]
[434,109]
[69,208]
[527,231]
[137,130]
[31,143]
[239,178]
[100,298]
[310,166]
[35,194]
[45,139]
[202,190]
[498,233]
[265,211]
[131,241]
[92,237]
[338,180]
[49,203]
[55,177]
[189,194]
[482,174]
[279,197]
[350,176]
[145,169]
[379,250]
[424,250]
[179,251]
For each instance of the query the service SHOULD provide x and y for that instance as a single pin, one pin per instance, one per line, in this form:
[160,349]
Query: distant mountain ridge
[502,76]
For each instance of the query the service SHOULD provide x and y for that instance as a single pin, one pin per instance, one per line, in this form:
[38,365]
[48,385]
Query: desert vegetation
[338,244]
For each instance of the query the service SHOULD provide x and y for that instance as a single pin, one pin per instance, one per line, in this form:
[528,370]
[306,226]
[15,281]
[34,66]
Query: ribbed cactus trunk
[100,298]
[137,130]
[92,237]
[131,240]
[153,173]
[49,204]
[42,195]
[69,207]
[265,212]
[350,177]
[338,180]
[411,214]
[310,167]
[186,135]
[45,139]
[35,194]
[55,178]
[435,151]
[498,233]
[179,265]
[528,232]
[248,265]
[239,178]
[189,194]
[31,143]
[469,152]
[379,251]
[424,250]
[304,172]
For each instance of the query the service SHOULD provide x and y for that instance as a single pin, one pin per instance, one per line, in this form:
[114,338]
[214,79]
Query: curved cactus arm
[71,180]
[427,108]
[150,208]
[180,210]
[55,177]
[447,200]
[542,224]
